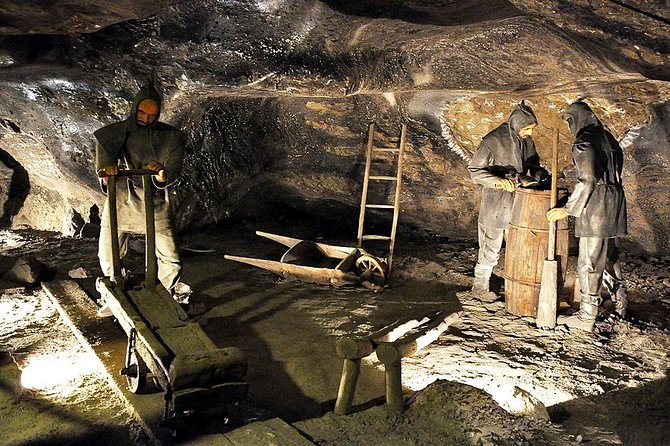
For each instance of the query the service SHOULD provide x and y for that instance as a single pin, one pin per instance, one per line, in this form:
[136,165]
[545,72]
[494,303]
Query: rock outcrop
[276,97]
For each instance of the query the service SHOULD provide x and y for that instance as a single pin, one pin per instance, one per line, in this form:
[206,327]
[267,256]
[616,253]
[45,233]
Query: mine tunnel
[338,222]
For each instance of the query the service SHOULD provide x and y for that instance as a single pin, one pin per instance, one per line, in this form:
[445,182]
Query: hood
[521,116]
[579,116]
[146,92]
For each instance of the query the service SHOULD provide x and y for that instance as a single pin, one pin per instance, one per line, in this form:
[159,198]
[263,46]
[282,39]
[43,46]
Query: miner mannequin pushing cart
[195,375]
[142,142]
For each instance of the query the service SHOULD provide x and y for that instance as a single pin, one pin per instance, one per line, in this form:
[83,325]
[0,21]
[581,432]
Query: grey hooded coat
[504,154]
[131,145]
[598,201]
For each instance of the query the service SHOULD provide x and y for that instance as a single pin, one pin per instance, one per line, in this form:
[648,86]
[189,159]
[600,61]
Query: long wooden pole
[113,228]
[151,277]
[551,253]
[548,300]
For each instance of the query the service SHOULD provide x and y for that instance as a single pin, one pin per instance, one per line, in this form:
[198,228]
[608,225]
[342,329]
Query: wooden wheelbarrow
[321,263]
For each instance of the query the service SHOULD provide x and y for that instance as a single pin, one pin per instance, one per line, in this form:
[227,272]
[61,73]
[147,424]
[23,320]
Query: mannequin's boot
[620,300]
[616,290]
[585,318]
[480,285]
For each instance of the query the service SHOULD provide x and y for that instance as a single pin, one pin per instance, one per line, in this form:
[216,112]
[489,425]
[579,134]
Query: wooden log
[345,394]
[394,399]
[349,347]
[388,353]
[207,368]
[400,330]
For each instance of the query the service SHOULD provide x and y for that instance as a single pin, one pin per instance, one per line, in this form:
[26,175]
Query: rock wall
[276,98]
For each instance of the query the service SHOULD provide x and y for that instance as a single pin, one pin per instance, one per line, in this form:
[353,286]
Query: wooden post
[113,226]
[345,394]
[151,278]
[389,355]
[548,300]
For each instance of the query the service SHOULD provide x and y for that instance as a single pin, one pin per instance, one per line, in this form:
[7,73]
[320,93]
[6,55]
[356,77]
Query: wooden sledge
[163,342]
[321,263]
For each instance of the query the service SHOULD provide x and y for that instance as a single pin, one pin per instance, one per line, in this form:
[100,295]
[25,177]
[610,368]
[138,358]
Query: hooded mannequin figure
[598,204]
[504,154]
[142,142]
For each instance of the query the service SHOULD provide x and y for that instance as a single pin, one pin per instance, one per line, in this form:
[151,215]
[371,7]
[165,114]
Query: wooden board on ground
[107,341]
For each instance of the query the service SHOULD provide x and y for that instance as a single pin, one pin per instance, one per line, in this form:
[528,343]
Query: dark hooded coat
[504,154]
[598,201]
[131,146]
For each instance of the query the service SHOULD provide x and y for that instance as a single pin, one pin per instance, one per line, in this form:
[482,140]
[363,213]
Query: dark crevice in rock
[450,13]
[17,190]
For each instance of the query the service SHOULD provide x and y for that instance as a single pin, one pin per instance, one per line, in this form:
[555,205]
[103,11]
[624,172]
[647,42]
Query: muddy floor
[604,388]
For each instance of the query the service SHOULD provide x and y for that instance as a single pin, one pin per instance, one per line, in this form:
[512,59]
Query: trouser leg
[169,264]
[105,249]
[590,266]
[490,242]
[613,279]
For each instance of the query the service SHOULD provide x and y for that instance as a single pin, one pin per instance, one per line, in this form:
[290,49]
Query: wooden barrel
[526,250]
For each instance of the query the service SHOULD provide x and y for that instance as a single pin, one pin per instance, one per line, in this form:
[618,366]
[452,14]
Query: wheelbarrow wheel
[369,265]
[135,372]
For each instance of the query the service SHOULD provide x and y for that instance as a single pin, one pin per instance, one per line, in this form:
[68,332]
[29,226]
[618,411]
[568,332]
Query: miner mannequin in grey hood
[142,142]
[504,154]
[598,204]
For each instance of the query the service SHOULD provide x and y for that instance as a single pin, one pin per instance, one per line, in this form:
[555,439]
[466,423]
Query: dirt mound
[445,412]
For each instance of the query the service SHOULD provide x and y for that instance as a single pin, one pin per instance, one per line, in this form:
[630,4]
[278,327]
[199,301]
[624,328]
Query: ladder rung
[382,178]
[386,149]
[376,237]
[380,206]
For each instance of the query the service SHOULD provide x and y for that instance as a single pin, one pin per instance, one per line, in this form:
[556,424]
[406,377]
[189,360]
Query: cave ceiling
[276,96]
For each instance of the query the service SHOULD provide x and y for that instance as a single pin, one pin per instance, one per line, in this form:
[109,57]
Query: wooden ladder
[370,152]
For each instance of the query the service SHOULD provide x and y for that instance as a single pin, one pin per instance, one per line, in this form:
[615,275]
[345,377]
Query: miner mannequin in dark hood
[142,142]
[598,204]
[504,154]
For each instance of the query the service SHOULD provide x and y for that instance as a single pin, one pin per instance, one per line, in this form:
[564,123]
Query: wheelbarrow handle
[128,173]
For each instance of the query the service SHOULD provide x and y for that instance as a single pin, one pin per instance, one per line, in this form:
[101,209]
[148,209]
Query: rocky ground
[604,388]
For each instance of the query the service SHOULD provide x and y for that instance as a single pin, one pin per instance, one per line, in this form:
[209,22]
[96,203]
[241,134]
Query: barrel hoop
[533,230]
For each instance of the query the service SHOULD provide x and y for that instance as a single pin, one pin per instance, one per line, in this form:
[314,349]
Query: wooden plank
[274,432]
[186,339]
[103,338]
[379,206]
[158,309]
[376,237]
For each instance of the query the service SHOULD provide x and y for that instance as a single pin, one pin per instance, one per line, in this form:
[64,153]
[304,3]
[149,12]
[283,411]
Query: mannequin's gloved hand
[109,170]
[556,214]
[505,184]
[161,177]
